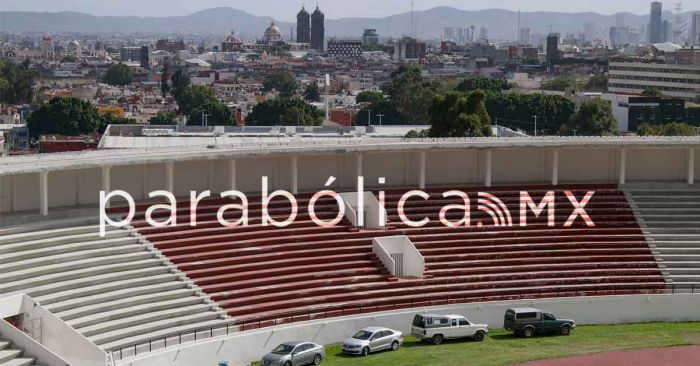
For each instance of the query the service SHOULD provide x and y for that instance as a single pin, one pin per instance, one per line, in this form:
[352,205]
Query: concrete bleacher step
[20,361]
[67,251]
[126,300]
[39,267]
[34,232]
[185,329]
[48,283]
[9,354]
[104,290]
[129,311]
[67,255]
[122,335]
[679,251]
[54,241]
[56,304]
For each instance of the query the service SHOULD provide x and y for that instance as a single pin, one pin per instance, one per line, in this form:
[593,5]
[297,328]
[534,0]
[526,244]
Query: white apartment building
[681,81]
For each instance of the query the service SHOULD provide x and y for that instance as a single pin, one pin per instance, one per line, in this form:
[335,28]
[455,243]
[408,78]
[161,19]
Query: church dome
[273,31]
[233,38]
[272,34]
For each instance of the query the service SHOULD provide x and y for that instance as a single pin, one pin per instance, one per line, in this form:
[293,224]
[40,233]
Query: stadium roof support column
[44,193]
[170,176]
[489,167]
[359,157]
[691,166]
[422,169]
[106,181]
[555,167]
[295,174]
[623,166]
[232,174]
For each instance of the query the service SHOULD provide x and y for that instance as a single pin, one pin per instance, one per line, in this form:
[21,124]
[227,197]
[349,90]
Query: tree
[410,95]
[286,112]
[179,82]
[652,92]
[371,97]
[560,83]
[118,74]
[376,104]
[597,83]
[594,118]
[669,129]
[516,111]
[192,97]
[163,119]
[66,116]
[455,114]
[483,83]
[282,81]
[16,83]
[165,80]
[312,93]
[214,113]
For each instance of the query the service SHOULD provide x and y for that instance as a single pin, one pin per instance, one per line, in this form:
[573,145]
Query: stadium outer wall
[245,347]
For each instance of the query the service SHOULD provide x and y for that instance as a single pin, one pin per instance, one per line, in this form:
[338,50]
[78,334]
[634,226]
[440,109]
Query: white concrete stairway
[117,291]
[10,356]
[670,219]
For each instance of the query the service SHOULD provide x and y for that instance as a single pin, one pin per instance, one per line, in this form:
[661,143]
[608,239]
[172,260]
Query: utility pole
[369,117]
[535,117]
[205,119]
[380,118]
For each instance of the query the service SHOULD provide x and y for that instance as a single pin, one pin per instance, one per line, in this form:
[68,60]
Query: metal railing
[339,311]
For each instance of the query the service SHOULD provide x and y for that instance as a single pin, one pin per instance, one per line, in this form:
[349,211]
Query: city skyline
[286,10]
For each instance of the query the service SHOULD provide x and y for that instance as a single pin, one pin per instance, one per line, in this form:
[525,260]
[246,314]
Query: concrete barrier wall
[242,348]
[657,164]
[30,347]
[61,338]
[464,168]
[588,165]
[521,165]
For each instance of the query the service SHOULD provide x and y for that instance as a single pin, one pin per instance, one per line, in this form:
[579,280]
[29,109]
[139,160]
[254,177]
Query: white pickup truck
[437,328]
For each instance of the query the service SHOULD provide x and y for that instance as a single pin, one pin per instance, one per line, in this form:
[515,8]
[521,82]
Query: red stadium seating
[267,275]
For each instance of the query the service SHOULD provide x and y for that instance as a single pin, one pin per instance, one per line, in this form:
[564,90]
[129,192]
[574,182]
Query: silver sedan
[295,354]
[373,339]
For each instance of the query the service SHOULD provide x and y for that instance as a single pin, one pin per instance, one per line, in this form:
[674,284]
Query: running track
[674,356]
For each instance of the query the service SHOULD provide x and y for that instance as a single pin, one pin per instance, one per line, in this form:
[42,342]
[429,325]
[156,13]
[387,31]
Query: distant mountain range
[501,24]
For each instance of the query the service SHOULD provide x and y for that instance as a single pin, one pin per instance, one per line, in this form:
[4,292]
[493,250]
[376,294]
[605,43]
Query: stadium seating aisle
[11,356]
[114,290]
[264,275]
[670,218]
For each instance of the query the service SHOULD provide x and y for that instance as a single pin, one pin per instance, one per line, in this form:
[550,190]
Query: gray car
[373,339]
[295,354]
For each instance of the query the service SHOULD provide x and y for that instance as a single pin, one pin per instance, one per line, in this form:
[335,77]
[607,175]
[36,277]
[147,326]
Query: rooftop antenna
[413,21]
[517,36]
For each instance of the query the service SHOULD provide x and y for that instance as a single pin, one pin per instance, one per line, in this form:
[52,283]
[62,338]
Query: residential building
[345,48]
[136,54]
[553,53]
[318,30]
[303,26]
[680,81]
[409,49]
[631,111]
[655,24]
[695,29]
[370,37]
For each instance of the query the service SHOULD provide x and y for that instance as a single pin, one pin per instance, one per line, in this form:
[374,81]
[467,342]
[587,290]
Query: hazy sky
[286,9]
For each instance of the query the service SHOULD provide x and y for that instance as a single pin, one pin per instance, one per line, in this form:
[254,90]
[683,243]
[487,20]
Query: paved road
[674,356]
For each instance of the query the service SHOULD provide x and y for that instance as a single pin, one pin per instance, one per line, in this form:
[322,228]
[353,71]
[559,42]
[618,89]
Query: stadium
[621,246]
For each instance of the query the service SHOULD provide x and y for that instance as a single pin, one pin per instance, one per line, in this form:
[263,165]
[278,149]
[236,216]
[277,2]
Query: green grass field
[501,348]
